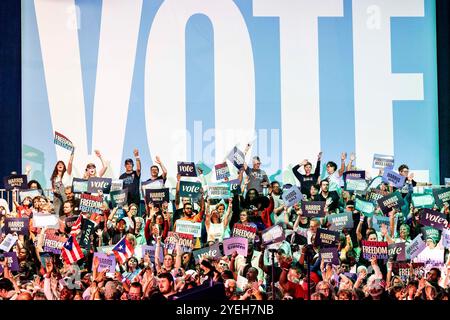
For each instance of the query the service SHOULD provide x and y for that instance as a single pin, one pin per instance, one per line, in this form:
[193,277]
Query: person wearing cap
[257,177]
[131,179]
[91,171]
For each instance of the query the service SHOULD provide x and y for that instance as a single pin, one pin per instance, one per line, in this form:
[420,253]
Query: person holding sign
[24,209]
[410,183]
[216,224]
[307,180]
[91,171]
[131,179]
[190,216]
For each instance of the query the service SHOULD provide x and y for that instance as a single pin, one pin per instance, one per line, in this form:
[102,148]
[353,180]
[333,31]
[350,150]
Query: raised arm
[14,198]
[207,218]
[104,164]
[177,192]
[163,168]
[241,175]
[317,170]
[352,159]
[359,228]
[385,233]
[228,214]
[389,273]
[261,260]
[179,255]
[297,221]
[342,169]
[138,162]
[233,264]
[70,163]
[28,171]
[392,223]
[376,268]
[157,253]
[285,263]
[296,173]
[265,215]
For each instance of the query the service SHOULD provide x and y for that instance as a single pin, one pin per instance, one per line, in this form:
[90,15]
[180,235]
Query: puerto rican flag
[71,251]
[76,227]
[123,250]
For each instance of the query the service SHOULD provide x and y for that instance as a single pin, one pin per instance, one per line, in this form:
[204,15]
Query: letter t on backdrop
[375,84]
[299,59]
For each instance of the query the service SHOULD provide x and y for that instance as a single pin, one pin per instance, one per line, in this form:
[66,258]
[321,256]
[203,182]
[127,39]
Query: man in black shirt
[330,197]
[307,179]
[131,179]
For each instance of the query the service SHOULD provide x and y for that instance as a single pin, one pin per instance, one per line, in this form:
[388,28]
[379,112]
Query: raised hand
[95,263]
[158,160]
[49,266]
[97,153]
[352,156]
[136,152]
[319,156]
[99,232]
[343,156]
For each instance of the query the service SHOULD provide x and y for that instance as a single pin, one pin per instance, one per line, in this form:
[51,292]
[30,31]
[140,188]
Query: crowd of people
[152,262]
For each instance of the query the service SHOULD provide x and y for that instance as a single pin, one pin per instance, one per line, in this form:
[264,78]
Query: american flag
[71,251]
[123,250]
[76,226]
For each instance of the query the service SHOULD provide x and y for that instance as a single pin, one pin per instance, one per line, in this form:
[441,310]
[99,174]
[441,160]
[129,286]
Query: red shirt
[297,291]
